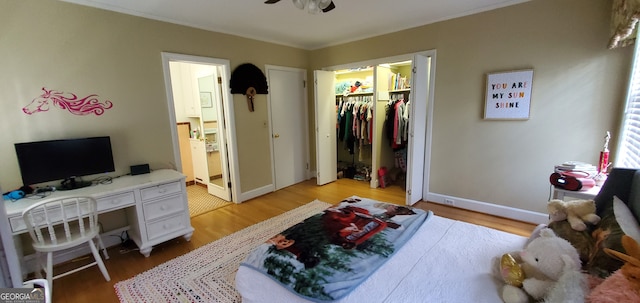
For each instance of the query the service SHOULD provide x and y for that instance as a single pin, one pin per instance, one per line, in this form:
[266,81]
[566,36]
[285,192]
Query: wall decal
[69,101]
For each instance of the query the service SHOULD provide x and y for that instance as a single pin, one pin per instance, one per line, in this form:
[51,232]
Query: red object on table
[603,163]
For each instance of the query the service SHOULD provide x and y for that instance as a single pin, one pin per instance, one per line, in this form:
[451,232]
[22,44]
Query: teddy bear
[576,212]
[551,272]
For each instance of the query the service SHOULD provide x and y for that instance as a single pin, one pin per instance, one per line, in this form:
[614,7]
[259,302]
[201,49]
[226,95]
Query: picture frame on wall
[205,99]
[508,95]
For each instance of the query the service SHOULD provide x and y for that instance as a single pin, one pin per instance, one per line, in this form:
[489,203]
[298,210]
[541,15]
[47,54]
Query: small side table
[561,194]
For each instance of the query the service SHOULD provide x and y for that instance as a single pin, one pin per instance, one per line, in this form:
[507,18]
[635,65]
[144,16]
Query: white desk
[560,194]
[155,204]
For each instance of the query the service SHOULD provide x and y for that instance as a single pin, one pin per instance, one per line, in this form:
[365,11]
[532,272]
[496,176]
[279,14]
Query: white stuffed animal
[557,277]
[577,212]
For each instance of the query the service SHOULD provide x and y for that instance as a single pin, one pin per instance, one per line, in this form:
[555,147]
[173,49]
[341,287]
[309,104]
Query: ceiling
[284,24]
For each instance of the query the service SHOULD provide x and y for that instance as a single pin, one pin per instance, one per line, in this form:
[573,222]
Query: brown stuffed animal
[576,212]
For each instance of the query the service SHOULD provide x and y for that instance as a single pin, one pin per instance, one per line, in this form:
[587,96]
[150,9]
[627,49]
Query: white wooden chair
[62,223]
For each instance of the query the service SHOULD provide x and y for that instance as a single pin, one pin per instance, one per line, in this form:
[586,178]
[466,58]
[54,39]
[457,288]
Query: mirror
[207,88]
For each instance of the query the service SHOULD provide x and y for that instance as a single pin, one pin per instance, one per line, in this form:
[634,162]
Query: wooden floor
[89,285]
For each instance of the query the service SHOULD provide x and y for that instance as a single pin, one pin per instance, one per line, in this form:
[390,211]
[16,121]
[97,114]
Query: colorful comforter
[329,254]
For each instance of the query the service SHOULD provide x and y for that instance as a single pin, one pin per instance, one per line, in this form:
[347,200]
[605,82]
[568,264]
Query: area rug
[200,201]
[207,274]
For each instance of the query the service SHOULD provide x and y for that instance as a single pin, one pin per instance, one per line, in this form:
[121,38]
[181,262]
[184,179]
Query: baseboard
[256,193]
[492,209]
[110,238]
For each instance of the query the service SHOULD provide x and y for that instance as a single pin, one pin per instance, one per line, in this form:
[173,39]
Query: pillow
[608,234]
[626,219]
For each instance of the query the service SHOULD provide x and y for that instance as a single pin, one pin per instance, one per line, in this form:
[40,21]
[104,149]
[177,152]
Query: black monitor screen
[46,161]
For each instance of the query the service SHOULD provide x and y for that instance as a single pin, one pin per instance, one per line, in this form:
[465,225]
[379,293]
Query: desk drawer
[116,201]
[149,193]
[17,224]
[163,207]
[167,226]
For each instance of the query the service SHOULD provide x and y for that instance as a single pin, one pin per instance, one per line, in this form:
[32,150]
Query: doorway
[289,128]
[417,81]
[196,95]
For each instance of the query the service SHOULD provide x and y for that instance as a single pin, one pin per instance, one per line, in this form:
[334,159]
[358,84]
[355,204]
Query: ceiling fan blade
[329,8]
[271,1]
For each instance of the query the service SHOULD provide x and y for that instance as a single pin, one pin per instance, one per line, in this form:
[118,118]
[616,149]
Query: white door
[220,187]
[288,111]
[326,145]
[417,128]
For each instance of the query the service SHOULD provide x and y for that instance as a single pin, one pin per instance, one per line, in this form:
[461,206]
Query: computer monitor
[67,159]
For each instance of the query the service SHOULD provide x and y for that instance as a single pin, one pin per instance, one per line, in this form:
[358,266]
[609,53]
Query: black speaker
[140,169]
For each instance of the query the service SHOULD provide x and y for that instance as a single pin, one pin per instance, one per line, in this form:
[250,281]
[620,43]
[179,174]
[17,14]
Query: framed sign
[508,95]
[205,99]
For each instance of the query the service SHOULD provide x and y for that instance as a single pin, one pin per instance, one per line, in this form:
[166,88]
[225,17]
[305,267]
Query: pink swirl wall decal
[69,101]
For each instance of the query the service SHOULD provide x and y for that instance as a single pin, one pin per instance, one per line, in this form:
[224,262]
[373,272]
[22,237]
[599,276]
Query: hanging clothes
[355,122]
[396,125]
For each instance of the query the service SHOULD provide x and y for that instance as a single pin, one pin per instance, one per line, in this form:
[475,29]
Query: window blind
[628,154]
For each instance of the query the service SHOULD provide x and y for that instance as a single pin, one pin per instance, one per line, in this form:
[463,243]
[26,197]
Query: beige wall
[82,50]
[578,90]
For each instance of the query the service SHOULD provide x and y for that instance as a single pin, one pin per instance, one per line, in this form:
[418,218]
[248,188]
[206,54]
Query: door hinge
[409,191]
[304,83]
[307,165]
[229,184]
[219,80]
[414,70]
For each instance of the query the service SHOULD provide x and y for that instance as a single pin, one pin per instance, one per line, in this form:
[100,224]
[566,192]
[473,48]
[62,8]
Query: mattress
[445,261]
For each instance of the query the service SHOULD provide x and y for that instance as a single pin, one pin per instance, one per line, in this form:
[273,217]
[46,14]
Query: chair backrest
[73,217]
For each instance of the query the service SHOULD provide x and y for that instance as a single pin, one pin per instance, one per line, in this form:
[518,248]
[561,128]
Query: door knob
[276,136]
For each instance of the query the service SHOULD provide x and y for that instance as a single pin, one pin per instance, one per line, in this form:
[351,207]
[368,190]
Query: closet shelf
[400,90]
[355,94]
[354,70]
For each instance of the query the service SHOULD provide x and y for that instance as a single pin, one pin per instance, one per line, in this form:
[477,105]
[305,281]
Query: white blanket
[445,261]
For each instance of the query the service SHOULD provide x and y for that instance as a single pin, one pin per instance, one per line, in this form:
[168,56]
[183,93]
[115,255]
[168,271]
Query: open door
[417,128]
[216,136]
[326,145]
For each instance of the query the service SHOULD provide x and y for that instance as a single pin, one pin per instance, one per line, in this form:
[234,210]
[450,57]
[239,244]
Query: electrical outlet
[448,201]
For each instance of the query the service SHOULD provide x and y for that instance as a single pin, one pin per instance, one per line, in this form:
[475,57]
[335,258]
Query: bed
[444,261]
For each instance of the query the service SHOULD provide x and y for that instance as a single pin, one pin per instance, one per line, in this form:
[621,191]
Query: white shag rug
[207,274]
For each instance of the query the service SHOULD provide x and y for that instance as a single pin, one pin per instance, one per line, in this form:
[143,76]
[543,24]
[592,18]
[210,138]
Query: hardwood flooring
[89,286]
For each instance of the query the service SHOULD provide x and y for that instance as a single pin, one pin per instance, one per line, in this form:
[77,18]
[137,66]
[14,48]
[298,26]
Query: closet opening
[372,112]
[373,122]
